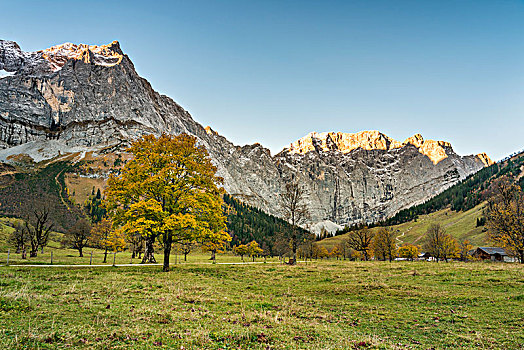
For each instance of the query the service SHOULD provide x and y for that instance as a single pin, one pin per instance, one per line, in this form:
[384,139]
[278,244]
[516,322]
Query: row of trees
[33,235]
[381,244]
[252,250]
[503,217]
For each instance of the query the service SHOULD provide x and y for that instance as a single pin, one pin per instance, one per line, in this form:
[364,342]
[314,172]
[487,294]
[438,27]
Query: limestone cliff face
[82,95]
[90,97]
[368,176]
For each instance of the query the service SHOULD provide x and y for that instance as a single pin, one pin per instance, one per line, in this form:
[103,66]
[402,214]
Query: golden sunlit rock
[104,55]
[370,140]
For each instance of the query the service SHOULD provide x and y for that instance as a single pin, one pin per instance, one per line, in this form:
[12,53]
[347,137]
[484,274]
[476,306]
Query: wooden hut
[493,254]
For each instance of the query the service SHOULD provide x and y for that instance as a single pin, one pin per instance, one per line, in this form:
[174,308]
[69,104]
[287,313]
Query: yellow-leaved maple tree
[254,250]
[168,192]
[408,251]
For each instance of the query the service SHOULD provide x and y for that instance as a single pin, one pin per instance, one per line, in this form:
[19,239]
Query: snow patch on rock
[4,74]
[44,150]
[328,225]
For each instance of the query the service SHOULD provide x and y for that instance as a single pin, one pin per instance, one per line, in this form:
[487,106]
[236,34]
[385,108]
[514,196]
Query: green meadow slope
[461,225]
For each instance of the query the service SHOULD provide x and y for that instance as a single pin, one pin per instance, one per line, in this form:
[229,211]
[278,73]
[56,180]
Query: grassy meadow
[322,305]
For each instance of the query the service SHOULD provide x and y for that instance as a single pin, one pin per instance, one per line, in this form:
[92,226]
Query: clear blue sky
[272,71]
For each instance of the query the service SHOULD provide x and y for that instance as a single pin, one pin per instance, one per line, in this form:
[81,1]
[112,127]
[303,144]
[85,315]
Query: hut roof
[494,250]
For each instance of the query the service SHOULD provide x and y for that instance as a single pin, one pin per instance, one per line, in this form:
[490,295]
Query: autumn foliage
[505,216]
[168,192]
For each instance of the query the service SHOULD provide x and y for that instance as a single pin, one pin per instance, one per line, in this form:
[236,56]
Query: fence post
[91,258]
[114,258]
[8,252]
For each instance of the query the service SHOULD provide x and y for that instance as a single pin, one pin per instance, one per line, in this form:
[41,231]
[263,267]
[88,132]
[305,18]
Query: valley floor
[321,305]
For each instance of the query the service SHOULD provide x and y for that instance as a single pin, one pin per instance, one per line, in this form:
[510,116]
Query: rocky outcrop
[90,97]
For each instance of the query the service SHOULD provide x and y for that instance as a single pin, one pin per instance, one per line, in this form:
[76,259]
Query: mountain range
[77,99]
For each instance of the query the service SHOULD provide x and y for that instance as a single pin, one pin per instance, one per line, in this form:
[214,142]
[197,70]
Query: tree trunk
[105,255]
[24,254]
[34,250]
[168,240]
[185,256]
[149,256]
[80,251]
[167,252]
[521,256]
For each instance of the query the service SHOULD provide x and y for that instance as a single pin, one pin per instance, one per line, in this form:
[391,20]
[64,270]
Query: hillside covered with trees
[246,223]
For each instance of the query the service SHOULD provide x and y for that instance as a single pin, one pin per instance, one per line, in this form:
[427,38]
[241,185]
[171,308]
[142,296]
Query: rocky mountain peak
[416,140]
[103,55]
[14,59]
[436,151]
[342,142]
[485,159]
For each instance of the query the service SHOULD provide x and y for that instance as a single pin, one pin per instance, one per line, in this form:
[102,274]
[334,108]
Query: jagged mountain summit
[77,98]
[371,140]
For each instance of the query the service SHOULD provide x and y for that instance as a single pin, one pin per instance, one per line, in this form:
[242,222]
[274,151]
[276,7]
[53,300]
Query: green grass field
[321,305]
[461,225]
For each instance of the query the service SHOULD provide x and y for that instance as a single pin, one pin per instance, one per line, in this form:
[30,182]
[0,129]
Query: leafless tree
[295,211]
[20,239]
[38,228]
[384,245]
[186,246]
